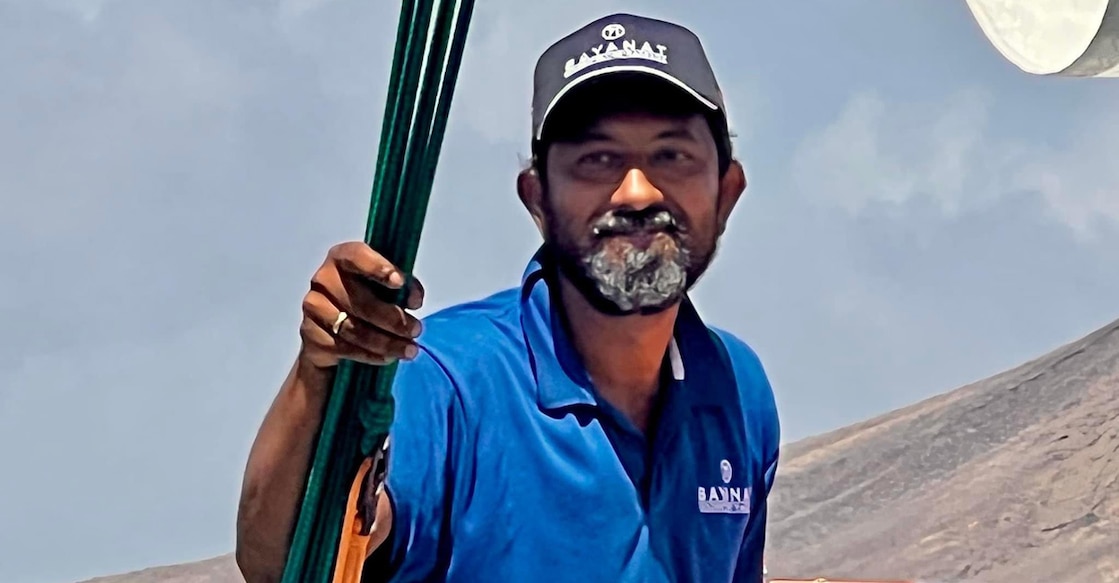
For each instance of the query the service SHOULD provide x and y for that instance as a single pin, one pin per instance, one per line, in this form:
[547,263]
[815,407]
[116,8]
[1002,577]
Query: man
[585,425]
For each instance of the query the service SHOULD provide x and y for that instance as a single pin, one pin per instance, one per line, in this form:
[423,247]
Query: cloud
[1079,179]
[948,152]
[879,152]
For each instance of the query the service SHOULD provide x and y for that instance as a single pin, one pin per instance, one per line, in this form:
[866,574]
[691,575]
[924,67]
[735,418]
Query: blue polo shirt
[505,465]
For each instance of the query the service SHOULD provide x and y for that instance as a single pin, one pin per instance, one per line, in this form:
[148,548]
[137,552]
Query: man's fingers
[360,259]
[415,295]
[355,296]
[356,339]
[319,316]
[373,330]
[375,341]
[364,303]
[325,349]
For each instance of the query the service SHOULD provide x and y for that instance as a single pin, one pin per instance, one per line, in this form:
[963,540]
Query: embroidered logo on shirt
[724,499]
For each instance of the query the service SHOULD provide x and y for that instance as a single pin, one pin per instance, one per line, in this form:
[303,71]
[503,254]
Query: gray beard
[618,278]
[636,279]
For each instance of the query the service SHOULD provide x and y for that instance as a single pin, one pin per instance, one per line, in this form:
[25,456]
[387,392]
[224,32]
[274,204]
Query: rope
[360,410]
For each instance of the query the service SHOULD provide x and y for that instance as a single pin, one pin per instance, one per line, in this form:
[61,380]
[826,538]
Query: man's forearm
[276,472]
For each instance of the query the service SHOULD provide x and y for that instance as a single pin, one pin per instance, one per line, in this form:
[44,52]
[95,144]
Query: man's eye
[599,159]
[672,156]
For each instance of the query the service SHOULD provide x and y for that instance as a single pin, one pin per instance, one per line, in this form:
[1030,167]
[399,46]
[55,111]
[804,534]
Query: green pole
[431,38]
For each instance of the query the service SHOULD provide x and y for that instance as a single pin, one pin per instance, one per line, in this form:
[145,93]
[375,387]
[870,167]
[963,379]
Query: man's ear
[530,189]
[731,187]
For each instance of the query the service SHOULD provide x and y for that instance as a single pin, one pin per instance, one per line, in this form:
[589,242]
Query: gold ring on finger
[338,322]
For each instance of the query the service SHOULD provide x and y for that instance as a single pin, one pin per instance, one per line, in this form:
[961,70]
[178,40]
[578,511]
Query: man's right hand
[371,330]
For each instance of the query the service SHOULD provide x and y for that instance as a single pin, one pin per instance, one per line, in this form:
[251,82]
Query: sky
[920,215]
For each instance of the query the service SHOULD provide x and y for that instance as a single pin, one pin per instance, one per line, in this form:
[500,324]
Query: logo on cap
[613,32]
[610,51]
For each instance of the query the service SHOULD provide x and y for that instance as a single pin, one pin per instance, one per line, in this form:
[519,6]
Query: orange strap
[353,548]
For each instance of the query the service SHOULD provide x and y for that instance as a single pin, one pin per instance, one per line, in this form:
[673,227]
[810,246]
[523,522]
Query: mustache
[625,222]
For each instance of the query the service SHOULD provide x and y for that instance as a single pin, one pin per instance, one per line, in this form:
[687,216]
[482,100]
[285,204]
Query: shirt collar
[561,380]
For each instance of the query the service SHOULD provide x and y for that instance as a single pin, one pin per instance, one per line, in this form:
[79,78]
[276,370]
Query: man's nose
[636,191]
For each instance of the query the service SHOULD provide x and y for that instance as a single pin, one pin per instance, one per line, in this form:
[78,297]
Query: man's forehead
[646,125]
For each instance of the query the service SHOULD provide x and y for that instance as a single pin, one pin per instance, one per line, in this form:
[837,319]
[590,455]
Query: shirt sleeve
[419,478]
[751,557]
[764,431]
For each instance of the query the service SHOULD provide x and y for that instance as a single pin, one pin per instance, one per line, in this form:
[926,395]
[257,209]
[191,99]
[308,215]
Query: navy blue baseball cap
[626,46]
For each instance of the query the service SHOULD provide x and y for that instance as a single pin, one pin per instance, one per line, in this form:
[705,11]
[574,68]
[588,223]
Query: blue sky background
[920,215]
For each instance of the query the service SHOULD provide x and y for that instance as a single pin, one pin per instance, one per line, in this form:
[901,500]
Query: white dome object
[1068,38]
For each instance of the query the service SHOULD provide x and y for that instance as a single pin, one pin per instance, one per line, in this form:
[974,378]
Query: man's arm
[342,319]
[276,471]
[751,557]
[764,428]
[275,476]
[412,507]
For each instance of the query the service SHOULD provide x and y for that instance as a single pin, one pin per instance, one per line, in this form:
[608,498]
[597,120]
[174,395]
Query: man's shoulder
[481,318]
[738,349]
[754,387]
[745,360]
[464,337]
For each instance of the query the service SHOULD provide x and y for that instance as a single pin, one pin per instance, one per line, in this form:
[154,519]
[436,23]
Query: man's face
[633,208]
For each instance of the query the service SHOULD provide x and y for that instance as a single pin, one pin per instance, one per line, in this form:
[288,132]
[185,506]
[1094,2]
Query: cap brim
[598,73]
